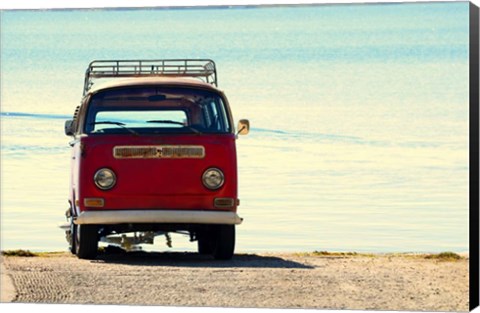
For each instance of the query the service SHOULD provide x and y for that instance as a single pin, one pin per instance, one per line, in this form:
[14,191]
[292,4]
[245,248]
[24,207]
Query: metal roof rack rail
[203,69]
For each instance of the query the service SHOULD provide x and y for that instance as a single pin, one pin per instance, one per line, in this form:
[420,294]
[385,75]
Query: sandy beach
[312,280]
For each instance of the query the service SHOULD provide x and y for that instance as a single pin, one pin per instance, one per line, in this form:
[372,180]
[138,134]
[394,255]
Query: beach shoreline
[318,280]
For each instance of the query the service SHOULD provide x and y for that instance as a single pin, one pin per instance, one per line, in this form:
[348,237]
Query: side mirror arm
[243,127]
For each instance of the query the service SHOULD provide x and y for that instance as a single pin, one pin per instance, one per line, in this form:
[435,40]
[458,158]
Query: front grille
[158,152]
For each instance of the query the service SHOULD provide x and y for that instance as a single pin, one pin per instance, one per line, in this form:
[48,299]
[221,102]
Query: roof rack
[203,69]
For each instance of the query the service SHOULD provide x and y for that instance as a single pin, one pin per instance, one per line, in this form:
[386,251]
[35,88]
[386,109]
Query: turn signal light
[224,202]
[94,202]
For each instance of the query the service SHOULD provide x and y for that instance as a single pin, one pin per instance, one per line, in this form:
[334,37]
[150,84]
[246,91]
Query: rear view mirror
[243,127]
[69,128]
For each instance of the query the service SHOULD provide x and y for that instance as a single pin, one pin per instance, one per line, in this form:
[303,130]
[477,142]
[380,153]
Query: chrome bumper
[157,216]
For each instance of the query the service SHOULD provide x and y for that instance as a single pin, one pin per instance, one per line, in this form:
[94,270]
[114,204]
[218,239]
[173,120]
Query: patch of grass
[444,256]
[333,254]
[28,253]
[51,254]
[320,253]
[24,253]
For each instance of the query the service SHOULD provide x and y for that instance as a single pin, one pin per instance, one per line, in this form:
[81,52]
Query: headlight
[105,179]
[213,178]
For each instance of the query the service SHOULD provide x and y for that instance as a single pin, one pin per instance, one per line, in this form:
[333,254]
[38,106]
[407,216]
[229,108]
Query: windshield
[156,110]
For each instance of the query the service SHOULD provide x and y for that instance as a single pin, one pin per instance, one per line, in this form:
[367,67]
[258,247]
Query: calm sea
[359,115]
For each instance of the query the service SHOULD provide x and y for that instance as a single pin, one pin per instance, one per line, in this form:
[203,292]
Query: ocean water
[359,117]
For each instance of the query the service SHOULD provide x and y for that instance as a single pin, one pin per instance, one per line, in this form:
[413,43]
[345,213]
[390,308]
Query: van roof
[177,81]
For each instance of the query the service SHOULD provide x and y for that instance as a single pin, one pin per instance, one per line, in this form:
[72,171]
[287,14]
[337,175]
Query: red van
[153,153]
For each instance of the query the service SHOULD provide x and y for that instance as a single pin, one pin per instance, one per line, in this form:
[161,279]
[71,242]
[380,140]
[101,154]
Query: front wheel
[224,242]
[86,241]
[205,243]
[71,236]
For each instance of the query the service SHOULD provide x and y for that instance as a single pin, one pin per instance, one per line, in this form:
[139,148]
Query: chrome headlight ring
[105,179]
[213,178]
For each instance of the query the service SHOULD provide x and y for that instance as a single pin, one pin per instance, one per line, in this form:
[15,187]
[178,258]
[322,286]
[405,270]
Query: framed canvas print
[269,156]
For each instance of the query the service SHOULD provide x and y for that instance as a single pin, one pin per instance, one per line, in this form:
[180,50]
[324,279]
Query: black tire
[224,242]
[205,242]
[86,241]
[73,234]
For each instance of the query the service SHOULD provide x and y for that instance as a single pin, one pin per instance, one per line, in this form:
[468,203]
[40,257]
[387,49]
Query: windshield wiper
[176,123]
[116,123]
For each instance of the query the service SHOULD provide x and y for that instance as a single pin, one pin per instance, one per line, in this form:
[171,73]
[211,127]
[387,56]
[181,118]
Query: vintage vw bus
[153,152]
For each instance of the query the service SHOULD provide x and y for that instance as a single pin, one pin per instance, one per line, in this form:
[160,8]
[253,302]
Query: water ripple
[36,115]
